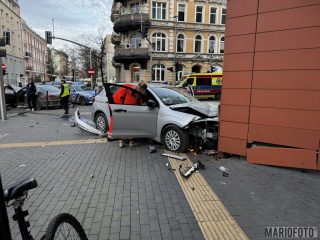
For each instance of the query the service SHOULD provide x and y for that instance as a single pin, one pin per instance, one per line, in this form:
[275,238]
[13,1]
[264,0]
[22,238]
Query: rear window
[49,89]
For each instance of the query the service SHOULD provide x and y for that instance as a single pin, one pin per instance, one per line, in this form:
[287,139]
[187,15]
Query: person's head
[63,81]
[141,87]
[30,81]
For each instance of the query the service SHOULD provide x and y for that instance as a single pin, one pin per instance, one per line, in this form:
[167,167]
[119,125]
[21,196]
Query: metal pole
[151,63]
[175,51]
[91,67]
[47,100]
[211,49]
[2,96]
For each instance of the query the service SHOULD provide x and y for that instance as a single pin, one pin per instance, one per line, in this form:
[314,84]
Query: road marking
[213,218]
[53,143]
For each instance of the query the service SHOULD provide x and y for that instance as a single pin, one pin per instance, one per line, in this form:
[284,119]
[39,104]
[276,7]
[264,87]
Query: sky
[71,17]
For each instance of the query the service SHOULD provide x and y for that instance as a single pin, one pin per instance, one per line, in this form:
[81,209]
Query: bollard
[75,100]
[47,100]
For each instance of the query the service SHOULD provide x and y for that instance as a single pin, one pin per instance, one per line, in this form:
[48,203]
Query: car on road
[53,83]
[17,96]
[82,94]
[169,115]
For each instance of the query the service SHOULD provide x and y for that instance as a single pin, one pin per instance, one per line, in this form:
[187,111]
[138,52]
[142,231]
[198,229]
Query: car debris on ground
[187,171]
[225,171]
[173,156]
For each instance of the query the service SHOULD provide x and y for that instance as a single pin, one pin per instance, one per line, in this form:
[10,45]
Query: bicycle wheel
[65,226]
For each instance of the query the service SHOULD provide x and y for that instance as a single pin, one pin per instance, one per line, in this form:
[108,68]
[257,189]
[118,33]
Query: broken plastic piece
[186,171]
[91,176]
[173,156]
[225,171]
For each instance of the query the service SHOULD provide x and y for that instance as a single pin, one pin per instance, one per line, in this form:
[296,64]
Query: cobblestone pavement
[132,194]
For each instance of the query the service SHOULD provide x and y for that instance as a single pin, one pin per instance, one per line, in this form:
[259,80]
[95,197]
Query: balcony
[27,55]
[120,1]
[29,69]
[130,22]
[115,38]
[114,14]
[132,55]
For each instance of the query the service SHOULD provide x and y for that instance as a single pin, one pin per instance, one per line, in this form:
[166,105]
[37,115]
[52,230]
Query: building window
[180,43]
[223,16]
[213,13]
[181,12]
[199,14]
[135,8]
[158,42]
[135,40]
[158,72]
[197,44]
[222,45]
[159,10]
[211,44]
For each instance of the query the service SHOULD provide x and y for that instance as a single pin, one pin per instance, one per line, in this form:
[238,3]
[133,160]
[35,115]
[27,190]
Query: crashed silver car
[169,115]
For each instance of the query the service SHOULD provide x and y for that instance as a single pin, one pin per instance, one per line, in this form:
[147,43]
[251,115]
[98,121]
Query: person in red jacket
[120,95]
[132,98]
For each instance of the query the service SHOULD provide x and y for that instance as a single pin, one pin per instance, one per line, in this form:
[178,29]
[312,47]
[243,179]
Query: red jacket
[120,95]
[133,98]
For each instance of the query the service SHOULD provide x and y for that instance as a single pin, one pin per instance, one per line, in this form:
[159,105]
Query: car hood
[201,109]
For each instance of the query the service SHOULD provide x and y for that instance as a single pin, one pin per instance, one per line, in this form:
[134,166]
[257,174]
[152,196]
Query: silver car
[169,115]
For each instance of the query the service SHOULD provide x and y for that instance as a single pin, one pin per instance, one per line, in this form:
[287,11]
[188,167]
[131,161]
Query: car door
[130,121]
[10,95]
[73,93]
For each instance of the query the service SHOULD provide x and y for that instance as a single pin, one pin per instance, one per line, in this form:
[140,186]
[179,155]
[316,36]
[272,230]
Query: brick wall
[271,88]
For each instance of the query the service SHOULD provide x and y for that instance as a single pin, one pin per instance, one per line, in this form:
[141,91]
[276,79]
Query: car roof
[150,85]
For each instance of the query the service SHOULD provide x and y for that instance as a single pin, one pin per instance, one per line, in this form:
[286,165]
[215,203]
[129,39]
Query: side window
[190,81]
[203,81]
[119,93]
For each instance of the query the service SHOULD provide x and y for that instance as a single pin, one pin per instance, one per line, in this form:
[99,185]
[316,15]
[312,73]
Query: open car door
[130,121]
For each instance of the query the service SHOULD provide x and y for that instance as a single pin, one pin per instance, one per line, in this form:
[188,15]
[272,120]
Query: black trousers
[64,101]
[31,99]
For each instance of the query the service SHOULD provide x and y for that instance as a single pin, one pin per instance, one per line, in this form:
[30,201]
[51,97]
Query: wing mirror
[151,103]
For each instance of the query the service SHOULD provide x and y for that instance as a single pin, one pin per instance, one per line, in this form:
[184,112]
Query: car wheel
[175,139]
[38,105]
[83,101]
[101,122]
[14,105]
[217,96]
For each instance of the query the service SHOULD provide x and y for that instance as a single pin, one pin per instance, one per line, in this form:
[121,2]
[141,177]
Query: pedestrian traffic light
[48,37]
[7,36]
[145,29]
[4,71]
[170,69]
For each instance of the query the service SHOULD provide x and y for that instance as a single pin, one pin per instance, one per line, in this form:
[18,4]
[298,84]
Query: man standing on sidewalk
[31,95]
[64,96]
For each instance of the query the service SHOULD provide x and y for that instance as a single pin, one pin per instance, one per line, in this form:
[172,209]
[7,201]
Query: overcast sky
[71,17]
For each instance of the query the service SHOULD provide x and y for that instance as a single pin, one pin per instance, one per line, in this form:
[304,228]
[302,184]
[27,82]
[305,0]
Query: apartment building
[10,22]
[58,65]
[188,32]
[35,54]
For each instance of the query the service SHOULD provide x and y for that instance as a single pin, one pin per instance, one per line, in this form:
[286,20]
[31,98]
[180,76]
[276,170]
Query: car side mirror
[151,103]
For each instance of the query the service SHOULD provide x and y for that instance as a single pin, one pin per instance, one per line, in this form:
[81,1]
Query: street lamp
[175,50]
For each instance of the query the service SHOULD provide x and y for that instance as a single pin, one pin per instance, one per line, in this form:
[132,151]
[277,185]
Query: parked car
[53,83]
[169,115]
[82,94]
[17,96]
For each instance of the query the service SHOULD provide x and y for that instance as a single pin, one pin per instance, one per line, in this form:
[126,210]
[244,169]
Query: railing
[131,53]
[27,54]
[130,22]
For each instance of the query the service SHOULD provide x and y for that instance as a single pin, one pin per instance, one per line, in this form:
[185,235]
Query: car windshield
[50,89]
[81,88]
[173,96]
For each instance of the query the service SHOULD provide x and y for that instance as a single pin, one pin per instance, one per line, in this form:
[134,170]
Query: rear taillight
[49,95]
[93,99]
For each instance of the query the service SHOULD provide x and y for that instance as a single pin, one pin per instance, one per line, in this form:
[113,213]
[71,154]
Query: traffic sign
[91,72]
[3,66]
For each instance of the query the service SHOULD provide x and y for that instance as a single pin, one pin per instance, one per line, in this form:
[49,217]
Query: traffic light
[48,37]
[4,71]
[145,29]
[170,69]
[7,36]
[177,65]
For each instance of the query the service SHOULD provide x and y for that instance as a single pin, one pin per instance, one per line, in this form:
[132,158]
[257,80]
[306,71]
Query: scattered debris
[173,156]
[152,148]
[222,182]
[22,165]
[192,188]
[48,140]
[167,165]
[31,126]
[22,114]
[187,171]
[253,193]
[225,171]
[74,124]
[91,176]
[210,152]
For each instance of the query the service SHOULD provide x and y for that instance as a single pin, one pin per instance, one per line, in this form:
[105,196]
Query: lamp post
[175,51]
[211,50]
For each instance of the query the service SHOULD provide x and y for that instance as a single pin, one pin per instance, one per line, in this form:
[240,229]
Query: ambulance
[204,85]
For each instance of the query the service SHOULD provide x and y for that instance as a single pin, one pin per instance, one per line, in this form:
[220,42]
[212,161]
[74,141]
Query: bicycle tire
[62,225]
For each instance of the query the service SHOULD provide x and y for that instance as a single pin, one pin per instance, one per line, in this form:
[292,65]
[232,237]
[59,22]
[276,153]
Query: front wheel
[65,226]
[38,105]
[175,139]
[83,101]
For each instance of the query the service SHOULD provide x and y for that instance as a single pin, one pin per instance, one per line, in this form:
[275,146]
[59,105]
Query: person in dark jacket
[31,95]
[64,96]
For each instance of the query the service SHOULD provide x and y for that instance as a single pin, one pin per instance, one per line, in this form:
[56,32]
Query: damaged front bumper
[84,126]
